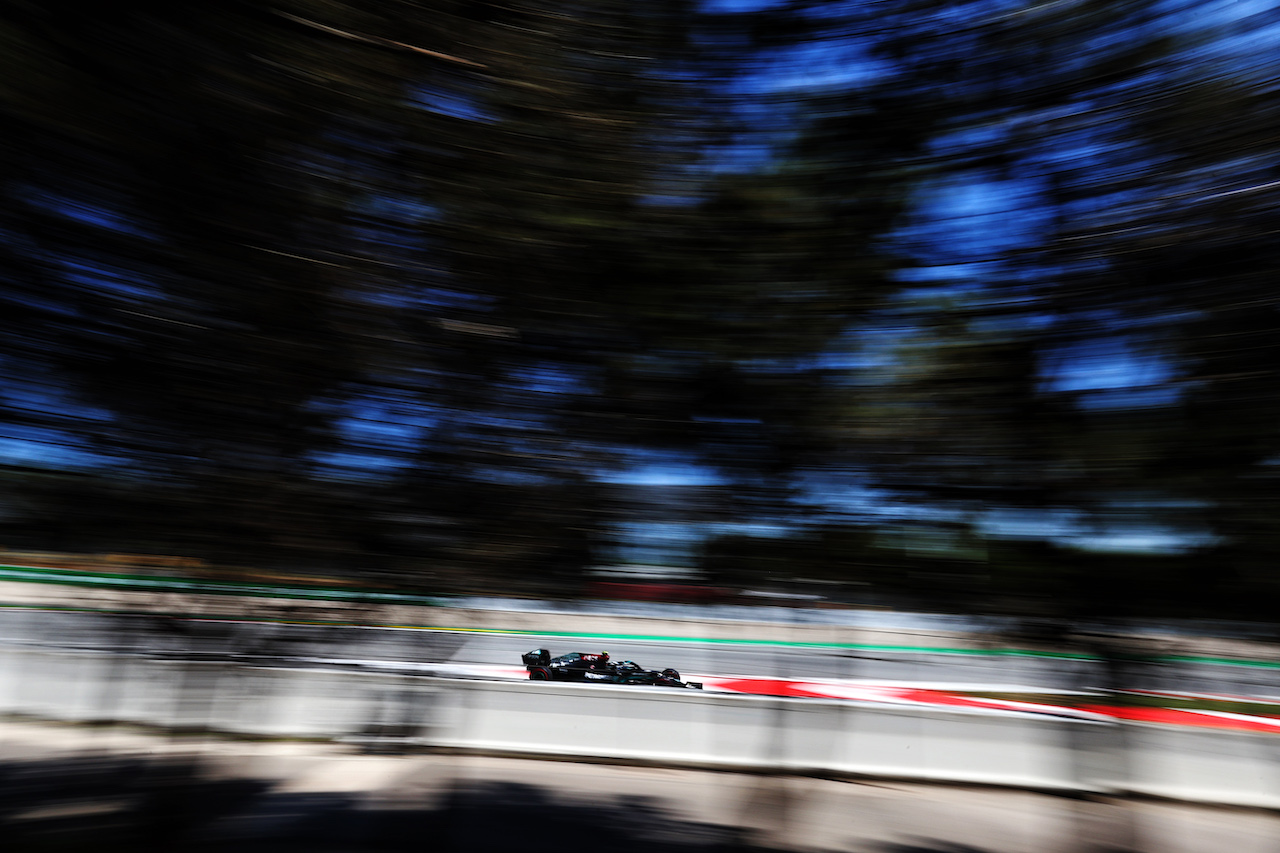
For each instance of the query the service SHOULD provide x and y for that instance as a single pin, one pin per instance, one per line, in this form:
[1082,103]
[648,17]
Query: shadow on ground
[110,804]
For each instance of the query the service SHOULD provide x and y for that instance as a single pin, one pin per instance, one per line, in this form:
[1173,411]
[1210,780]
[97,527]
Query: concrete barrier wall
[1236,768]
[753,731]
[675,727]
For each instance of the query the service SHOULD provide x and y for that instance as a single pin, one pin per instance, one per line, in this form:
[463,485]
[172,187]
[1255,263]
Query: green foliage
[402,288]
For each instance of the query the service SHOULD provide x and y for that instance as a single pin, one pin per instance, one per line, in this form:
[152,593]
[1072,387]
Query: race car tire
[539,674]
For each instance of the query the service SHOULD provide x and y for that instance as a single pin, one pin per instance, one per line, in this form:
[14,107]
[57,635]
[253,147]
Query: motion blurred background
[964,306]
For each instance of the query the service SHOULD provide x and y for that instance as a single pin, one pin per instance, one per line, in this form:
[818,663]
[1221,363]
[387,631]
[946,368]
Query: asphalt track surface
[250,623]
[282,643]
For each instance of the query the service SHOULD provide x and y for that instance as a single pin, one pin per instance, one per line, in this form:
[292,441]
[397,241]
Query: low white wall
[801,735]
[1237,768]
[678,727]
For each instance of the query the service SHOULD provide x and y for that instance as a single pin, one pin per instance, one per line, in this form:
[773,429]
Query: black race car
[598,669]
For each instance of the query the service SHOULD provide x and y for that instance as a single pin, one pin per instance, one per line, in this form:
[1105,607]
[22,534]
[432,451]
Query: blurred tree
[399,286]
[179,190]
[1082,346]
[1164,236]
[604,289]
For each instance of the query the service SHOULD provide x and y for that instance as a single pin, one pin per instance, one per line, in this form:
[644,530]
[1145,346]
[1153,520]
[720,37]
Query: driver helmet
[604,656]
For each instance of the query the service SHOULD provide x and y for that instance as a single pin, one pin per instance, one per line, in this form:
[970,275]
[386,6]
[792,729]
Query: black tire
[539,675]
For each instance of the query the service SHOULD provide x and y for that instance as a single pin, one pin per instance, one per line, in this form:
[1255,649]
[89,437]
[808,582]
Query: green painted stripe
[1218,661]
[168,583]
[158,583]
[153,583]
[794,644]
[571,635]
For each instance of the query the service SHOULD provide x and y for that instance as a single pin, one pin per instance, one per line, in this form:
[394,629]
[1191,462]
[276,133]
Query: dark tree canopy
[961,303]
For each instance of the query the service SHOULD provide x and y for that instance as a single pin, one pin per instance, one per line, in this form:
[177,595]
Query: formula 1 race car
[597,669]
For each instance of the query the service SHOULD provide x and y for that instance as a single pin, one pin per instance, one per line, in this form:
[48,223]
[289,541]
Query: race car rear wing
[537,657]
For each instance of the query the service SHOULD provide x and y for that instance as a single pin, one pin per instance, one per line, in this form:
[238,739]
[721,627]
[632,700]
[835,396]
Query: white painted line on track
[1246,718]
